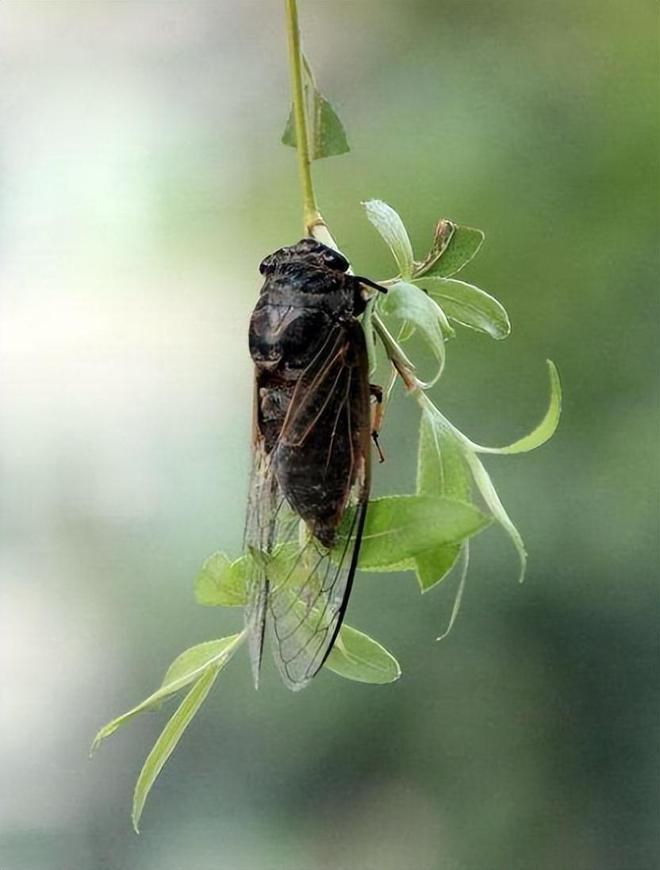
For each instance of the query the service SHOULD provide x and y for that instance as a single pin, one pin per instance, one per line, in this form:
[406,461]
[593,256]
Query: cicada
[310,479]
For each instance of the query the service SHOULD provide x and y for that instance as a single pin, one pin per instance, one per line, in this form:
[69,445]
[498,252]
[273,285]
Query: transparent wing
[304,547]
[308,599]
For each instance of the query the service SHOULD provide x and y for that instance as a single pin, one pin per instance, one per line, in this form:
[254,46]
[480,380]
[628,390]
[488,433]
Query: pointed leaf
[169,737]
[465,550]
[490,496]
[289,134]
[545,429]
[329,136]
[391,228]
[186,668]
[440,466]
[409,304]
[221,582]
[433,566]
[442,237]
[482,480]
[468,305]
[326,133]
[440,471]
[449,255]
[369,336]
[196,659]
[402,526]
[356,656]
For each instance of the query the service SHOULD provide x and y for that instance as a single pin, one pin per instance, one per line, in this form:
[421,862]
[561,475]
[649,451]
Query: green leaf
[168,739]
[409,304]
[369,338]
[221,582]
[545,429]
[186,668]
[356,656]
[490,496]
[468,305]
[482,480]
[400,527]
[406,332]
[433,566]
[450,251]
[440,466]
[289,134]
[469,449]
[441,470]
[196,659]
[327,136]
[444,231]
[458,598]
[391,228]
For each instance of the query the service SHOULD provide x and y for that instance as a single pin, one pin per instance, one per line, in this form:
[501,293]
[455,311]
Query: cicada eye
[335,260]
[267,264]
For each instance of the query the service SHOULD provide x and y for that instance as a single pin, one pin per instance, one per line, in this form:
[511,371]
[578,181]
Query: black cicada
[311,455]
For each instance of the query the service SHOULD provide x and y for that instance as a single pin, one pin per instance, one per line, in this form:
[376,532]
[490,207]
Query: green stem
[313,221]
[311,214]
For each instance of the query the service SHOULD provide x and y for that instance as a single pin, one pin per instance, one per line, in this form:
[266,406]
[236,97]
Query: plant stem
[311,215]
[314,225]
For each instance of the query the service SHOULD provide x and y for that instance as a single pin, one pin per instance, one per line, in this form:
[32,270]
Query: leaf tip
[99,738]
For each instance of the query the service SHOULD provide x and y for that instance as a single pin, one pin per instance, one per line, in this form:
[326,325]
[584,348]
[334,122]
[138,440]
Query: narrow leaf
[356,656]
[542,433]
[221,582]
[400,527]
[482,481]
[186,668]
[169,737]
[409,304]
[468,305]
[545,429]
[441,470]
[391,228]
[490,496]
[459,592]
[368,329]
[196,659]
[448,257]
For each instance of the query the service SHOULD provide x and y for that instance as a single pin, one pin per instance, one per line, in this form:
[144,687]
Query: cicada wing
[269,523]
[258,524]
[306,605]
[323,454]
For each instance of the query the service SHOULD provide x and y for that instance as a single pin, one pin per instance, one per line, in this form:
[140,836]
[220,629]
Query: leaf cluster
[426,532]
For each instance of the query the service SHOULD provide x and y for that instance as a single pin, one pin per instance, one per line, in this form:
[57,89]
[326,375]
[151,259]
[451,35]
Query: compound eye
[335,260]
[267,264]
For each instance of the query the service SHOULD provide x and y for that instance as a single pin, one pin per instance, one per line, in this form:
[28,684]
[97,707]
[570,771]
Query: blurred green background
[142,181]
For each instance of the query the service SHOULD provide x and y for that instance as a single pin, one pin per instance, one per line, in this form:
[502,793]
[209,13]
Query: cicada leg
[377,417]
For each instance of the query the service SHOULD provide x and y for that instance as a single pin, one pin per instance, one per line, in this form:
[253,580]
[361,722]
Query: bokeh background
[142,181]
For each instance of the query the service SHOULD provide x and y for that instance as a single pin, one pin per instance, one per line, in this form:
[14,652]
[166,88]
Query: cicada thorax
[306,305]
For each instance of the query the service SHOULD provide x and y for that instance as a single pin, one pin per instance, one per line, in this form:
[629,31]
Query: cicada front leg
[377,413]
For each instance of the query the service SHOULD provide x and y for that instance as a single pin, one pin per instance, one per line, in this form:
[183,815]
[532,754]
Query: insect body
[311,441]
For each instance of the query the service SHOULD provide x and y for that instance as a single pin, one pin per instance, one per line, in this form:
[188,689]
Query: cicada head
[307,253]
